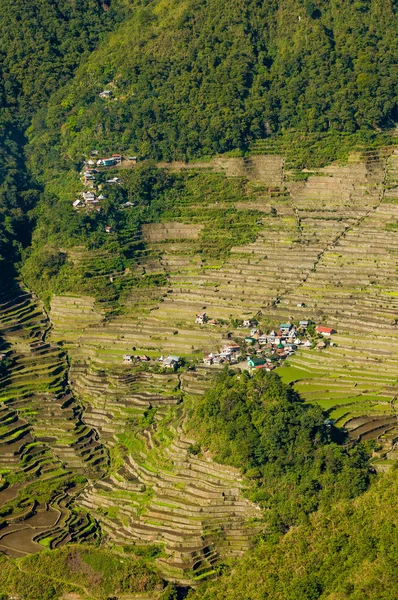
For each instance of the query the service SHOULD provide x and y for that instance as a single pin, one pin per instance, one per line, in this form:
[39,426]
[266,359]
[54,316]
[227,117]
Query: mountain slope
[198,77]
[349,553]
[243,234]
[41,45]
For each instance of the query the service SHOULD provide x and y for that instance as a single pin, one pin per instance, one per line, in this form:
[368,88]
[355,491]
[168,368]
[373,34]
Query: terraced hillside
[45,444]
[352,288]
[324,250]
[156,491]
[325,240]
[192,506]
[327,255]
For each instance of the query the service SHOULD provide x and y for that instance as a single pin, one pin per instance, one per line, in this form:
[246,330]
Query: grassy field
[290,374]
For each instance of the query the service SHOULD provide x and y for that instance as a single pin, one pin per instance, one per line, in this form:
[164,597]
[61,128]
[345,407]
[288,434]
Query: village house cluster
[268,350]
[230,353]
[91,197]
[168,362]
[257,350]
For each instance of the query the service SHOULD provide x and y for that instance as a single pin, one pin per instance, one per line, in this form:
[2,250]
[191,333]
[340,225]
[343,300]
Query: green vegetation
[187,80]
[41,46]
[158,197]
[94,573]
[288,374]
[346,549]
[199,78]
[317,149]
[283,445]
[193,80]
[325,71]
[347,553]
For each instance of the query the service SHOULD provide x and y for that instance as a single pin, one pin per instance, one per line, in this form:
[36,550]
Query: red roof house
[325,330]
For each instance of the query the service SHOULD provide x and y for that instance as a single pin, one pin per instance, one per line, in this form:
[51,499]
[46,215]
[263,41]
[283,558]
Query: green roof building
[256,362]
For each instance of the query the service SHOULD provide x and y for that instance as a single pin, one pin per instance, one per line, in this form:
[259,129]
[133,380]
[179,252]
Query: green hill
[41,45]
[187,79]
[198,77]
[348,553]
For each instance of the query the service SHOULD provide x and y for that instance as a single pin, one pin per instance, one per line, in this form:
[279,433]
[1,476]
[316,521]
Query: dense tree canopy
[186,79]
[41,45]
[207,76]
[283,445]
[347,553]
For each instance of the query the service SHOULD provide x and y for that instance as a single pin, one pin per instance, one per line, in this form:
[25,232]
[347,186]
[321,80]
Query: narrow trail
[51,578]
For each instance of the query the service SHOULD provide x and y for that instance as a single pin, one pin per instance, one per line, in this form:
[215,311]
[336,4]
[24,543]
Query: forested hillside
[186,79]
[192,79]
[199,77]
[41,45]
[282,445]
[348,553]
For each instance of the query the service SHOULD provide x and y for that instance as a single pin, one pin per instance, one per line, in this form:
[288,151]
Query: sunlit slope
[327,242]
[194,78]
[352,288]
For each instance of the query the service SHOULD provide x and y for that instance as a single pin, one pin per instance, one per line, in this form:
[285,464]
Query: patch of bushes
[50,574]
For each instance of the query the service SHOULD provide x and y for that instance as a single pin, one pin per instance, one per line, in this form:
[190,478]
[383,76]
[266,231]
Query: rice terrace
[88,407]
[198,300]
